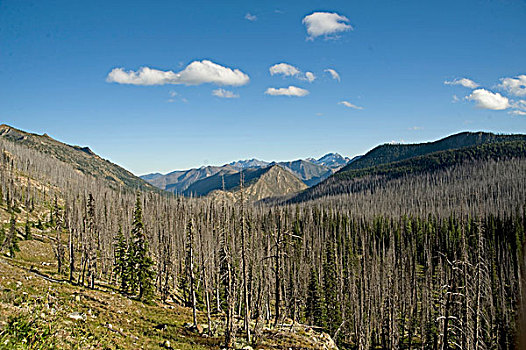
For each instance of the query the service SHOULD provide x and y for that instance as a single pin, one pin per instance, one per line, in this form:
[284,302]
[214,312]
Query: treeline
[370,277]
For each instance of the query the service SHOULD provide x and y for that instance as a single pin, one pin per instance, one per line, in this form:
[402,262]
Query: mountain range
[310,171]
[298,180]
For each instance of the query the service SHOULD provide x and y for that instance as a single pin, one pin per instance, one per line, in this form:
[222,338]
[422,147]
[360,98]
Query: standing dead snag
[59,248]
[227,278]
[244,260]
[190,267]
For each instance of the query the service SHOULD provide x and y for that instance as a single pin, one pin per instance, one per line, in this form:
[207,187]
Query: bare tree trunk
[71,256]
[244,260]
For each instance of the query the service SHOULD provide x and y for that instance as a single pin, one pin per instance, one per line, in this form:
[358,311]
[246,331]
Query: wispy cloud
[196,73]
[415,128]
[289,70]
[289,91]
[519,107]
[284,69]
[325,23]
[349,105]
[515,86]
[465,82]
[489,100]
[251,17]
[224,93]
[310,77]
[334,74]
[174,96]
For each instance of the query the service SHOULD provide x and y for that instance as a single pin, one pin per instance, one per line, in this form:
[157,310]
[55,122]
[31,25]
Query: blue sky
[56,58]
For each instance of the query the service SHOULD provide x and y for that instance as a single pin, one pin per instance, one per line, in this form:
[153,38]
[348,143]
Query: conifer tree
[2,236]
[313,310]
[121,268]
[13,238]
[27,233]
[330,287]
[142,275]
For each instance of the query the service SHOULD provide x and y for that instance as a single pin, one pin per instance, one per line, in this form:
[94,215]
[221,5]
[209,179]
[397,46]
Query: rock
[167,344]
[77,316]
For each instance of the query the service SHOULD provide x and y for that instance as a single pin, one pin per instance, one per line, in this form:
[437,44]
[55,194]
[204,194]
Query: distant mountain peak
[249,163]
[331,160]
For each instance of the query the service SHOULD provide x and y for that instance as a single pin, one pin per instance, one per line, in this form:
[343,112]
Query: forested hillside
[389,153]
[82,159]
[405,259]
[360,178]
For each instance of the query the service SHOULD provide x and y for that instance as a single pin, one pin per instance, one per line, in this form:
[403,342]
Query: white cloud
[285,69]
[288,70]
[334,74]
[349,105]
[224,93]
[251,17]
[455,99]
[325,23]
[416,128]
[519,107]
[489,100]
[172,93]
[465,82]
[515,86]
[290,91]
[196,73]
[310,77]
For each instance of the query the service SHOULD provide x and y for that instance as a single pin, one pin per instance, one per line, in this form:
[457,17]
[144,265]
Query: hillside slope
[80,158]
[259,183]
[389,153]
[178,181]
[341,182]
[308,172]
[274,182]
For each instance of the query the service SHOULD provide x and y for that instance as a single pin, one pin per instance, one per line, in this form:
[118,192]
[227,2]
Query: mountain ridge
[82,158]
[382,166]
[310,171]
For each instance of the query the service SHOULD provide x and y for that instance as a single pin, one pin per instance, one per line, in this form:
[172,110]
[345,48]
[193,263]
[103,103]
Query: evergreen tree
[313,309]
[331,290]
[2,236]
[142,275]
[13,238]
[27,232]
[121,268]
